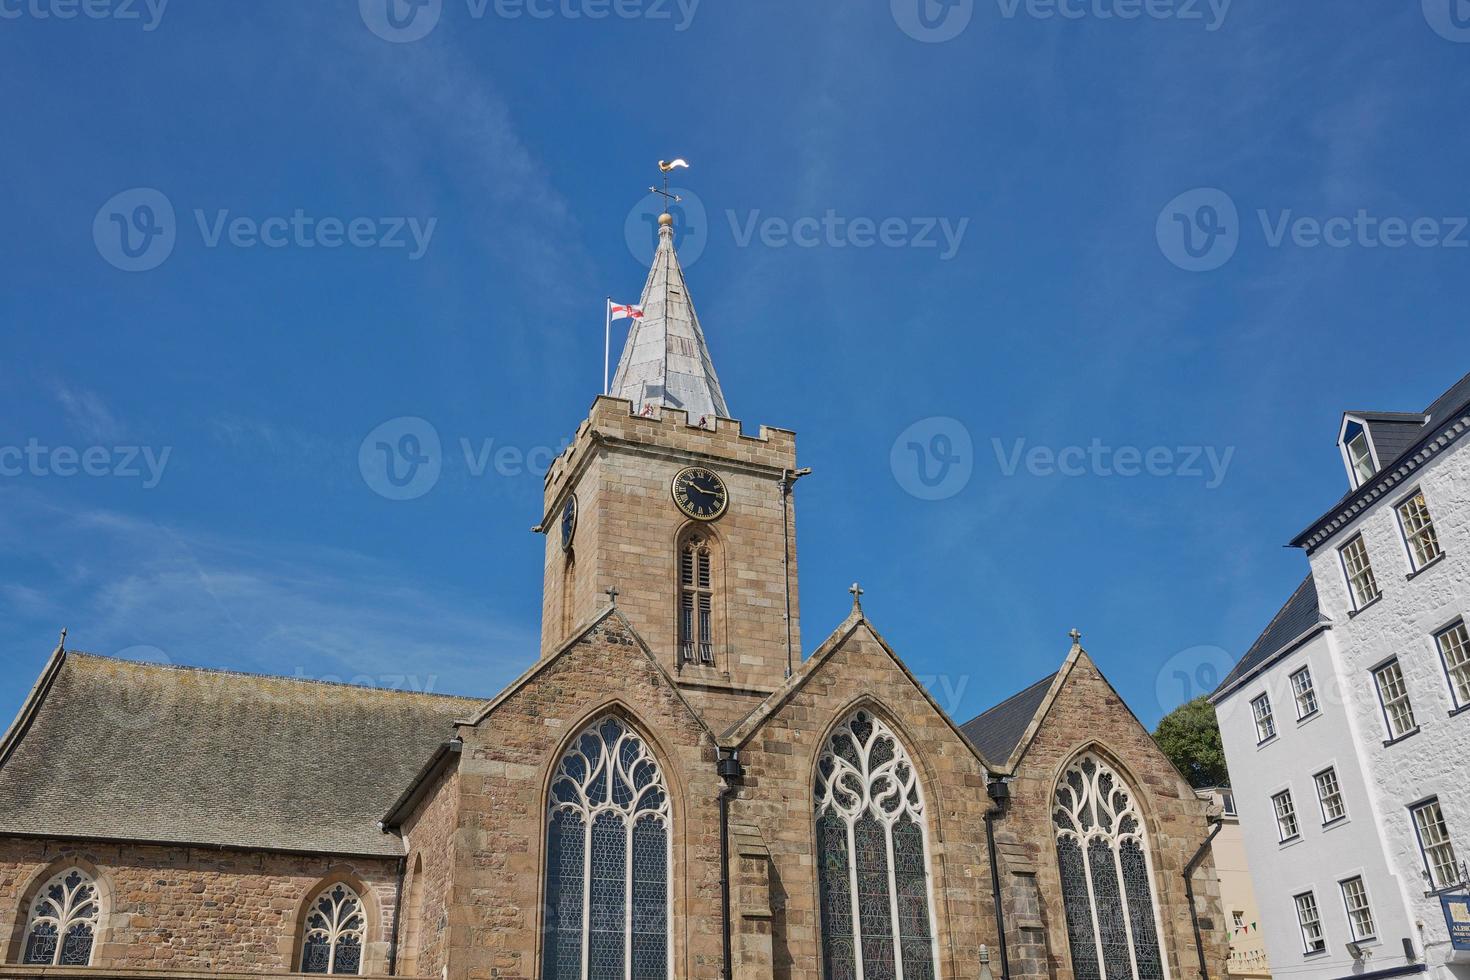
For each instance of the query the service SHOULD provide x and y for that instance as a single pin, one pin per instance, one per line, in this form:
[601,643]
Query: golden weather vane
[668,167]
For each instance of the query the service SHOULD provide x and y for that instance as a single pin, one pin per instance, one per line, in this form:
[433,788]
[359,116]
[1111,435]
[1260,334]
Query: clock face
[700,493]
[568,522]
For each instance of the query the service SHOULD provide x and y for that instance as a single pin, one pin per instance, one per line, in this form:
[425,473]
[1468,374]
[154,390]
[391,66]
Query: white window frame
[1436,826]
[63,906]
[1332,799]
[1392,702]
[1345,444]
[1421,540]
[1305,695]
[1265,718]
[1227,804]
[1362,583]
[1285,815]
[1311,943]
[341,918]
[1366,908]
[1455,657]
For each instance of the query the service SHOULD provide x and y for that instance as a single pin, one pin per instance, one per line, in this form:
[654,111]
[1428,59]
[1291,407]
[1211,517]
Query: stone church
[671,790]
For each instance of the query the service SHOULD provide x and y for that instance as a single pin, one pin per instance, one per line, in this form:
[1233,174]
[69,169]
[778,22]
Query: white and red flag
[616,311]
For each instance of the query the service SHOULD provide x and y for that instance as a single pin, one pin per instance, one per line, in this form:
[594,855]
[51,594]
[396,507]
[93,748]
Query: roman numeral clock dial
[700,493]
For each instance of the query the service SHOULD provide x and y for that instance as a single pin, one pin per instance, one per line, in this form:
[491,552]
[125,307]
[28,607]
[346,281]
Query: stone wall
[1088,713]
[182,908]
[429,880]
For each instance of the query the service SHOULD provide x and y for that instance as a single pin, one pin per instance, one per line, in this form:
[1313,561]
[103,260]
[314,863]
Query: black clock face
[568,522]
[700,493]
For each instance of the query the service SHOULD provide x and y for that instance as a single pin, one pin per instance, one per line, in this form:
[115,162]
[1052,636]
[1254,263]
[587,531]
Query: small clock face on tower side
[568,522]
[700,493]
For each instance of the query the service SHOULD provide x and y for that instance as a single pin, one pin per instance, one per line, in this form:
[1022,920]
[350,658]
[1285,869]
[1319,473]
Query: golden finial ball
[665,219]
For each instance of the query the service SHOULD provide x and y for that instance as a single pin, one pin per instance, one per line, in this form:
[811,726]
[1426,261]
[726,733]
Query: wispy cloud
[141,589]
[88,414]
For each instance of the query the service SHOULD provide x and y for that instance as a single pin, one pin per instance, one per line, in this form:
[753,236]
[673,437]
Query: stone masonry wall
[181,908]
[429,881]
[1089,713]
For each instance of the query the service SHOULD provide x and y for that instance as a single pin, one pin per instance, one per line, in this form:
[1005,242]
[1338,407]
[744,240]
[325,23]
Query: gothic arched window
[607,860]
[1102,849]
[696,600]
[335,933]
[873,857]
[63,924]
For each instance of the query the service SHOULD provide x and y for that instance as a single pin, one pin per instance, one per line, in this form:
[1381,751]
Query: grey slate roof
[142,752]
[1300,614]
[666,360]
[997,731]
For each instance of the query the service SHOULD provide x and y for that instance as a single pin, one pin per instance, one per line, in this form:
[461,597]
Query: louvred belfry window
[336,929]
[607,861]
[63,923]
[1107,892]
[696,601]
[873,857]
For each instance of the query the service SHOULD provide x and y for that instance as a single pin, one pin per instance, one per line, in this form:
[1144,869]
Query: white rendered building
[1347,724]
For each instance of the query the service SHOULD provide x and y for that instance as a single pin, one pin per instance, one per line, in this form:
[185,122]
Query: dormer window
[1359,453]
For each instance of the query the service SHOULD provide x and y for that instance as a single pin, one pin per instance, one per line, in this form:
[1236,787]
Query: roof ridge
[227,672]
[1023,691]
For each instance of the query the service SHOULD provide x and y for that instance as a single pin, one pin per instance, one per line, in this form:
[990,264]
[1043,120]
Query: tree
[1190,736]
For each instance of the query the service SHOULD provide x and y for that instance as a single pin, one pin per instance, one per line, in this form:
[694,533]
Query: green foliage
[1190,737]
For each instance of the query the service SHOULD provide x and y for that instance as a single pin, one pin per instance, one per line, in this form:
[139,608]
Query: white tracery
[873,857]
[608,860]
[1102,850]
[63,924]
[336,930]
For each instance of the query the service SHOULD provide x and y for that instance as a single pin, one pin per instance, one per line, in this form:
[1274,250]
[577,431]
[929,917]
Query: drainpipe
[397,917]
[731,772]
[999,792]
[1199,943]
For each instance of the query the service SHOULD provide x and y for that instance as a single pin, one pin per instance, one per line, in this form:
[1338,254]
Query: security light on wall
[1357,952]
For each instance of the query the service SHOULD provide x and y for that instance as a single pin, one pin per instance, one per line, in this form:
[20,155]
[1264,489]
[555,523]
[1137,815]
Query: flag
[624,311]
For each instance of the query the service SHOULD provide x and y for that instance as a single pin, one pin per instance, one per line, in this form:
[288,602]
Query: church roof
[117,750]
[997,732]
[666,361]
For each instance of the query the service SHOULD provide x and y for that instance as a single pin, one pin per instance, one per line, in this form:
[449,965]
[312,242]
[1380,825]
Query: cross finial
[1076,636]
[61,643]
[612,594]
[857,595]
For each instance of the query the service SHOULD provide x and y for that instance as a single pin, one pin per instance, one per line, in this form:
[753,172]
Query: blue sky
[224,393]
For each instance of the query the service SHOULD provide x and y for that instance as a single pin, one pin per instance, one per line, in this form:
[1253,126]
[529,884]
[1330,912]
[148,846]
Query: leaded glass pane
[650,921]
[316,955]
[839,956]
[348,955]
[1108,902]
[63,922]
[912,881]
[41,946]
[1140,910]
[875,915]
[1077,900]
[566,846]
[607,925]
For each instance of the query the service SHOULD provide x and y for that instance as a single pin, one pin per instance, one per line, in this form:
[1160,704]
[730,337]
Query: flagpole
[607,347]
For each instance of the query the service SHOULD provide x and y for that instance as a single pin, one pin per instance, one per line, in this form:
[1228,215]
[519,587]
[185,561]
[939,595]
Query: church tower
[662,498]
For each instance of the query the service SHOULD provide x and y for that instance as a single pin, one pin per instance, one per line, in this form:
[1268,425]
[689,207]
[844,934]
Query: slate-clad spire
[665,361]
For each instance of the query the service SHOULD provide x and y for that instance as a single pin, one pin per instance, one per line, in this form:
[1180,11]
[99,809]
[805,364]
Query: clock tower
[690,522]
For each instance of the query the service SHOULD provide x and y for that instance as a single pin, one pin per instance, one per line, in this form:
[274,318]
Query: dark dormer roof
[1300,614]
[996,732]
[116,750]
[1398,438]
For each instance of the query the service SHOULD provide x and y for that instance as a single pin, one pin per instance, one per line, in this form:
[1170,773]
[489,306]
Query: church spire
[665,361]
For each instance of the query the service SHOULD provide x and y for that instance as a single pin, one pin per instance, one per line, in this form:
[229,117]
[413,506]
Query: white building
[1347,724]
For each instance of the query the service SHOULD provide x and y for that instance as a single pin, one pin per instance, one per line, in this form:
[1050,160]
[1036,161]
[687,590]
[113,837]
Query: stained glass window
[607,860]
[336,928]
[63,921]
[1107,891]
[873,858]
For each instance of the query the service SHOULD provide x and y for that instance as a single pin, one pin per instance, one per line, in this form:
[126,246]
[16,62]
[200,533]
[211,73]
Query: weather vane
[668,168]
